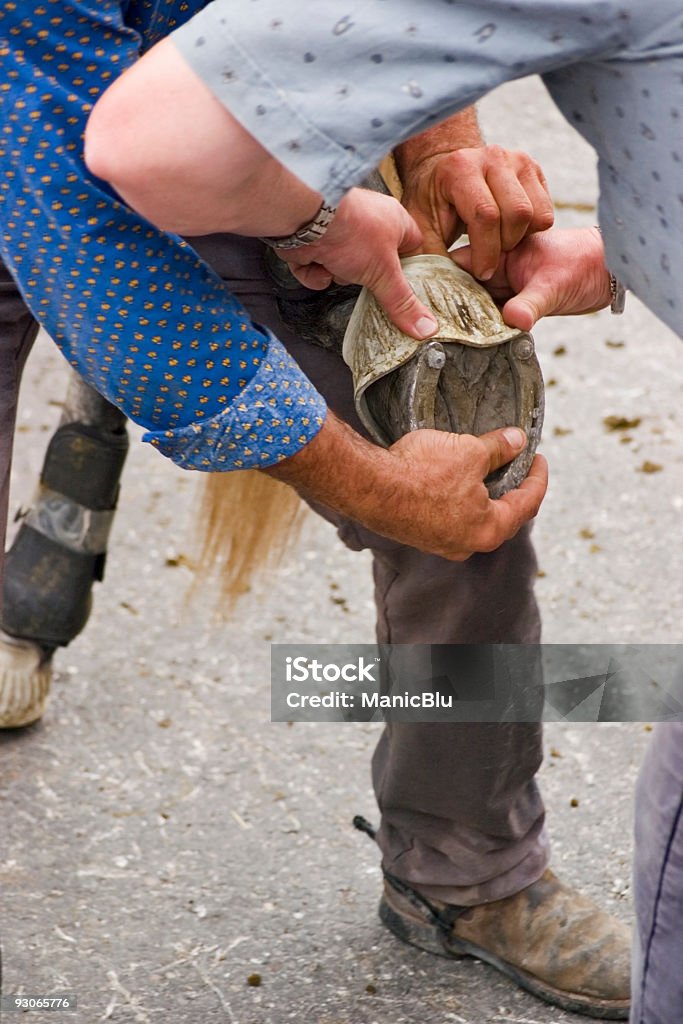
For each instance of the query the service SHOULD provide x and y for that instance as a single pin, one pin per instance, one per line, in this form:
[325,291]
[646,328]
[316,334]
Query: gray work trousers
[657,979]
[461,815]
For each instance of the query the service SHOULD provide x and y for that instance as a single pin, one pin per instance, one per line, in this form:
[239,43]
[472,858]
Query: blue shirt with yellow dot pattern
[133,309]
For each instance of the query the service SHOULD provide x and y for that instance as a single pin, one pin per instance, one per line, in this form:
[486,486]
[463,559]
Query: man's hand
[451,513]
[362,246]
[498,196]
[426,491]
[559,272]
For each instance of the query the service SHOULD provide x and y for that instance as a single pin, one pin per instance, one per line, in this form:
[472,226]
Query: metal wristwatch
[616,289]
[308,234]
[618,293]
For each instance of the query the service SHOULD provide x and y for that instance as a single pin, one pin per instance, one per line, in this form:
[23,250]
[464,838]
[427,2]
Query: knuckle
[544,219]
[497,152]
[525,162]
[460,157]
[470,443]
[522,208]
[404,303]
[476,451]
[486,449]
[519,211]
[488,541]
[486,213]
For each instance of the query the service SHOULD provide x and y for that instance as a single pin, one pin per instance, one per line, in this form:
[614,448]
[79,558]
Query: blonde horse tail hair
[247,521]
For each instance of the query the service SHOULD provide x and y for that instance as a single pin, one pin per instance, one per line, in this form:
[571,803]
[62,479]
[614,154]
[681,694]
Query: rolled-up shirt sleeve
[133,309]
[275,415]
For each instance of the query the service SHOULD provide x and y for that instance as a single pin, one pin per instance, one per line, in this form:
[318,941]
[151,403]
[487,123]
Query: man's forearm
[340,469]
[461,131]
[426,491]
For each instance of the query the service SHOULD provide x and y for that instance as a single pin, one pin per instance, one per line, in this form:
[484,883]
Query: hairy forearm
[425,491]
[459,132]
[340,469]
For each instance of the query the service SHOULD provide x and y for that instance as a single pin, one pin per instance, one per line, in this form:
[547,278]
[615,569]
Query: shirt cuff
[273,418]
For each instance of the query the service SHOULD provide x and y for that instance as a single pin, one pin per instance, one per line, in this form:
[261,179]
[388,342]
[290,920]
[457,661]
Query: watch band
[618,293]
[616,288]
[308,233]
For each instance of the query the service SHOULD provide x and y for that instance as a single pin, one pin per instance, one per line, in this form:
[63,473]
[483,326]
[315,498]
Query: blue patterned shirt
[133,309]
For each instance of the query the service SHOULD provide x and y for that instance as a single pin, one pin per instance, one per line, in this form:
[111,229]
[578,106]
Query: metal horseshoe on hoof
[476,374]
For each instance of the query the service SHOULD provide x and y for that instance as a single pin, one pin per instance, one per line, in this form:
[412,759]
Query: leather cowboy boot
[550,939]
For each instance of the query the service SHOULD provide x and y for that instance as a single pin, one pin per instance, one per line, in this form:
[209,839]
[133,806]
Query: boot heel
[416,933]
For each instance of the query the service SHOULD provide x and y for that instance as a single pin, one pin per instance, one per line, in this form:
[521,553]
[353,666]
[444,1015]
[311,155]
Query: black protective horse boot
[59,550]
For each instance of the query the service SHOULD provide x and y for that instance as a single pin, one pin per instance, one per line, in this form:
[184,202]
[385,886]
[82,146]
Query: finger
[497,286]
[519,506]
[400,303]
[463,257]
[535,300]
[498,283]
[502,446]
[508,514]
[313,276]
[533,181]
[479,210]
[516,209]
